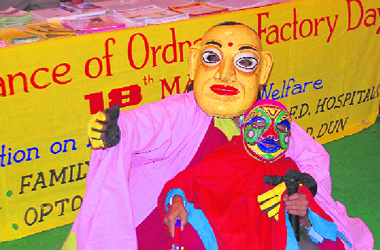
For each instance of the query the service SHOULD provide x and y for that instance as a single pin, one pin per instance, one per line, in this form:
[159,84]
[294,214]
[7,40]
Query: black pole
[292,181]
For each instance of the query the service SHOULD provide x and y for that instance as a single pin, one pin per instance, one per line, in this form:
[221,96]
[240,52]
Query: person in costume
[147,146]
[227,195]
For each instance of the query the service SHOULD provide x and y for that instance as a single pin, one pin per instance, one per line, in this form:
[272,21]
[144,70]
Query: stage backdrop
[326,72]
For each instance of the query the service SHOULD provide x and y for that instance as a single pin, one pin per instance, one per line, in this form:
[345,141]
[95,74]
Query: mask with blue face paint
[266,130]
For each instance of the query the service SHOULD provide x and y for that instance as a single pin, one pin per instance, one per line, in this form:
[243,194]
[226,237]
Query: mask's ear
[266,66]
[194,53]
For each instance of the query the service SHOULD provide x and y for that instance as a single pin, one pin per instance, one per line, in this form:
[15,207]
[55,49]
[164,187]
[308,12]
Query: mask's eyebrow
[247,47]
[215,43]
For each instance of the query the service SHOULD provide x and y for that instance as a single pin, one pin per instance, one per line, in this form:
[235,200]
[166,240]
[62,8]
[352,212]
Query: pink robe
[159,140]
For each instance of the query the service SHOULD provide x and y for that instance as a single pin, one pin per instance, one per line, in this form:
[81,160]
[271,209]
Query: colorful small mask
[266,130]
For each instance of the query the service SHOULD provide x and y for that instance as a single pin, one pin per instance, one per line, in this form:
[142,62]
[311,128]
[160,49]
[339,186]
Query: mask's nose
[226,72]
[271,133]
[270,137]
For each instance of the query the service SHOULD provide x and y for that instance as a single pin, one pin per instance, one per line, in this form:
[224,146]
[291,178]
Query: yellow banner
[326,72]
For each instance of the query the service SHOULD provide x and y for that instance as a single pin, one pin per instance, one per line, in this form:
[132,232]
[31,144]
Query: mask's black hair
[258,95]
[190,87]
[234,23]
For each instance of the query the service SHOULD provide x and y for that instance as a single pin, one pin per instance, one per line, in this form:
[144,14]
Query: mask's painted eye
[283,127]
[211,57]
[246,62]
[257,123]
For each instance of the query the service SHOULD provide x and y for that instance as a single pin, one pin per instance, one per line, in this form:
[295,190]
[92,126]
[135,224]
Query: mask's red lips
[224,90]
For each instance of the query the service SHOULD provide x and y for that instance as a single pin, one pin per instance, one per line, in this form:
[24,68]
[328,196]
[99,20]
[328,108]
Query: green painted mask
[266,130]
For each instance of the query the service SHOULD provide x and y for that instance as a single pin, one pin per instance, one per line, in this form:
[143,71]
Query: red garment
[151,234]
[227,194]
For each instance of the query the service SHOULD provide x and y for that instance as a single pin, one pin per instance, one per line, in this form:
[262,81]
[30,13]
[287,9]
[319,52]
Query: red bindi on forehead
[230,44]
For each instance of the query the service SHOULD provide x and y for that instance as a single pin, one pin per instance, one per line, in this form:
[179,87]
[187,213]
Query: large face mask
[227,69]
[266,130]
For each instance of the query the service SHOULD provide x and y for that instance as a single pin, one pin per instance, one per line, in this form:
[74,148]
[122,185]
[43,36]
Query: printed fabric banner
[326,72]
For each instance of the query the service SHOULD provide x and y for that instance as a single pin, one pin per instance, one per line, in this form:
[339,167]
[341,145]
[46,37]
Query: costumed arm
[173,200]
[202,186]
[313,159]
[319,225]
[270,200]
[321,228]
[297,204]
[176,211]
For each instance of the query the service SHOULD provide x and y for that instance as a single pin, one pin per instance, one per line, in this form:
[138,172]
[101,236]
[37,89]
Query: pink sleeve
[123,182]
